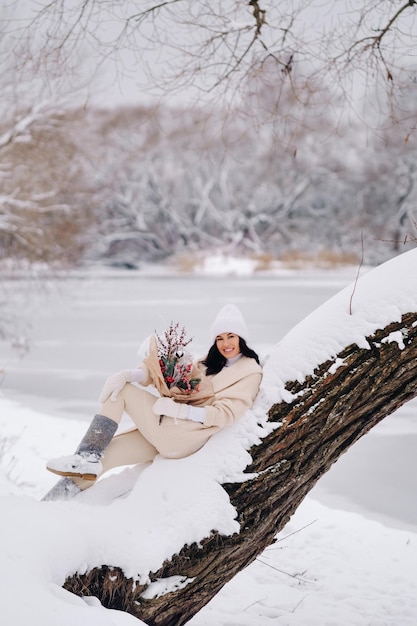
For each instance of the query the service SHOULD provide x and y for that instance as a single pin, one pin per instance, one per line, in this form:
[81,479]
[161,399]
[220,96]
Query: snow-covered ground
[348,555]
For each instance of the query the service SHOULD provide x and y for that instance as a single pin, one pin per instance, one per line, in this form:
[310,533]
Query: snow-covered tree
[275,171]
[37,166]
[351,363]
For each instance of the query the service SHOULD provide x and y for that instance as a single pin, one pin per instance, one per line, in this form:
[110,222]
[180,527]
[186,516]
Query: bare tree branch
[213,47]
[374,42]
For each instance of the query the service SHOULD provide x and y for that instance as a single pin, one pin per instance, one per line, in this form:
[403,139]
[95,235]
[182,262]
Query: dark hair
[215,361]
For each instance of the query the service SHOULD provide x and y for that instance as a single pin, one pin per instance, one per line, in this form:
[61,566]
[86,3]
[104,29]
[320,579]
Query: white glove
[168,406]
[115,383]
[177,410]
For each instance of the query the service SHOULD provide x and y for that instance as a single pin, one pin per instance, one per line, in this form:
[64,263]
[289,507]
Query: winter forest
[140,142]
[261,139]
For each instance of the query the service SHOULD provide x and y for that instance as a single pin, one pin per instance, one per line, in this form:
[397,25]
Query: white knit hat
[229,320]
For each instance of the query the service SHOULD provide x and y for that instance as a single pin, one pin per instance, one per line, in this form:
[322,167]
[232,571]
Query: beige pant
[171,438]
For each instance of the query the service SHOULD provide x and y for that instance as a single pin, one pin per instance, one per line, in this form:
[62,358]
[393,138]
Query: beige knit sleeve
[232,402]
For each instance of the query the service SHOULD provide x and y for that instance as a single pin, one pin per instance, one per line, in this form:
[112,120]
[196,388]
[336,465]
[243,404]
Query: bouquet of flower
[172,371]
[175,361]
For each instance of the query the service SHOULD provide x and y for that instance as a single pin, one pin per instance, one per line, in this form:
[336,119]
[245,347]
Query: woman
[163,425]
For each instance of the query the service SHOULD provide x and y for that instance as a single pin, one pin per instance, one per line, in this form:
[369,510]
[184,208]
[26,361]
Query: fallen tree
[316,419]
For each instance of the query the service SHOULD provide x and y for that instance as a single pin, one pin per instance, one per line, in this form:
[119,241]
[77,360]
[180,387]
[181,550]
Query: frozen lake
[84,328]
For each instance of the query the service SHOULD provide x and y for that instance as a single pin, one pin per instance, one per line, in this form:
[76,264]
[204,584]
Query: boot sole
[73,474]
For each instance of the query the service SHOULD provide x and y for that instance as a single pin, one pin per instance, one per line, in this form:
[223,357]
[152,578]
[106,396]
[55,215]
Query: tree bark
[331,410]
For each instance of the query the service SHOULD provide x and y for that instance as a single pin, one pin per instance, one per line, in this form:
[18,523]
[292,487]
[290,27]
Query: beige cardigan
[235,389]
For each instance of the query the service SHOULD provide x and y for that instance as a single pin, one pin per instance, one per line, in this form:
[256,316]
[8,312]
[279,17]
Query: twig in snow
[281,571]
[253,603]
[357,277]
[295,532]
[298,603]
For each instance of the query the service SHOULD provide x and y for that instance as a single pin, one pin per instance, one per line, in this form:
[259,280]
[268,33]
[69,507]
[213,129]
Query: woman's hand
[177,410]
[115,383]
[113,386]
[168,406]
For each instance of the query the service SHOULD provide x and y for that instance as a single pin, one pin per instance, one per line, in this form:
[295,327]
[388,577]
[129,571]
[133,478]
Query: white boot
[85,463]
[87,466]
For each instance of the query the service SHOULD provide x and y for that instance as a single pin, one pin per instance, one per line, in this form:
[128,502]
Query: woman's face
[228,345]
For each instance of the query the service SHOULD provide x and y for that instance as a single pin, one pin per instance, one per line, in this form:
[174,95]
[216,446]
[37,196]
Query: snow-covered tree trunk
[317,418]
